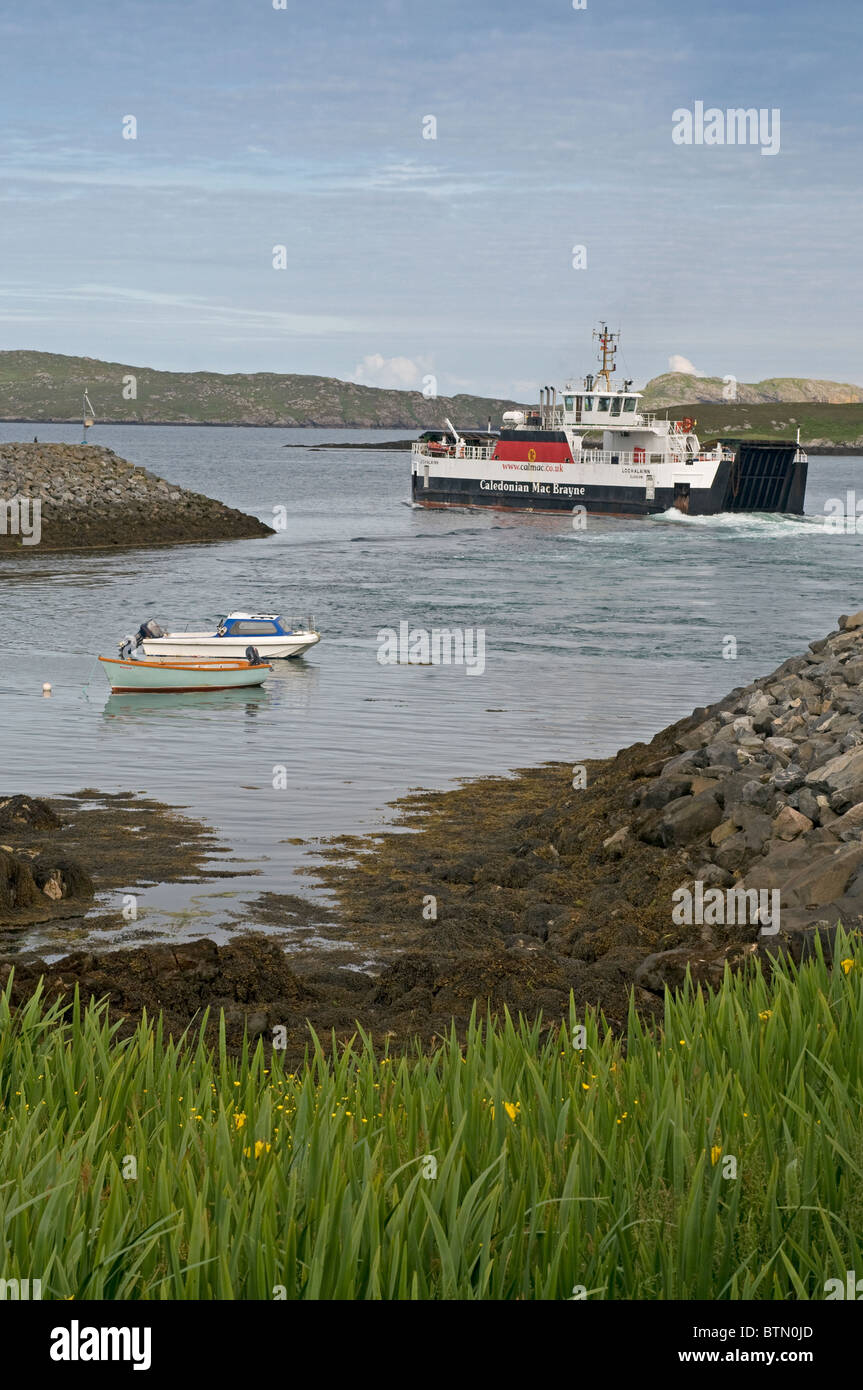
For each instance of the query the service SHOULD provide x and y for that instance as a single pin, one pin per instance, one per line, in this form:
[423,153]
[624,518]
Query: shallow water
[593,639]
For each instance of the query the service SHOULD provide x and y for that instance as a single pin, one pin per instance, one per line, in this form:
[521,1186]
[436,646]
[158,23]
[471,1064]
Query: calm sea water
[593,639]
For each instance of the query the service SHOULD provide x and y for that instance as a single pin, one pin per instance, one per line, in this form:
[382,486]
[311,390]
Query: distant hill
[49,386]
[825,428]
[677,388]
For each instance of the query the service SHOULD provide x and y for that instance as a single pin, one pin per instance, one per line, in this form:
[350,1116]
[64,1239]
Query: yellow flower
[715,1153]
[511,1110]
[847,965]
[767,1013]
[240,1120]
[682,1042]
[584,1086]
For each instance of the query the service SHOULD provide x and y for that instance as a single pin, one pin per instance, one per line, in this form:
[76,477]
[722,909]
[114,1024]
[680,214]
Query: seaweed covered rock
[20,812]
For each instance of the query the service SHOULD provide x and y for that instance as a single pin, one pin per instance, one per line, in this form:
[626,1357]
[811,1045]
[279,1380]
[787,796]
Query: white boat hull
[194,645]
[127,677]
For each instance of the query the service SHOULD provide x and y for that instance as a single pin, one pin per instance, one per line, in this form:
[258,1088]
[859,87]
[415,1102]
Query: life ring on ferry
[687,425]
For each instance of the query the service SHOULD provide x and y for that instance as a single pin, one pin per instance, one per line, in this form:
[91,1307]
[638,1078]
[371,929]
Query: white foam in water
[761,523]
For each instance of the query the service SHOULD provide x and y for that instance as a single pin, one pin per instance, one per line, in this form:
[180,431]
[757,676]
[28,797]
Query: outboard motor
[253,656]
[149,629]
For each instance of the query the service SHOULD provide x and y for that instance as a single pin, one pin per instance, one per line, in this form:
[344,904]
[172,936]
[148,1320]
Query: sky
[408,258]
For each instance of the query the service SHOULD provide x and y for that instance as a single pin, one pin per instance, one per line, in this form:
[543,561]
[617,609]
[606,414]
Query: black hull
[762,478]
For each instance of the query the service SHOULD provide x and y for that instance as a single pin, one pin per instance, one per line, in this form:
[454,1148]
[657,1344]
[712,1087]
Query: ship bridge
[598,408]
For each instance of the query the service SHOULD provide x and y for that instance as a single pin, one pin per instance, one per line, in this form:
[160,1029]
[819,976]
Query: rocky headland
[90,498]
[513,891]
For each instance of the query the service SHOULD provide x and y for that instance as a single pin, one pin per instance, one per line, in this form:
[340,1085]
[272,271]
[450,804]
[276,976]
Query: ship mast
[607,350]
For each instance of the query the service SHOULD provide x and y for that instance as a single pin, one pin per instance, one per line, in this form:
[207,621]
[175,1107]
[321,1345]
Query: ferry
[592,447]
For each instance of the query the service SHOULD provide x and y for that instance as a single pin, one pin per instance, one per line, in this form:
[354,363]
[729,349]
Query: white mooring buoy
[46,688]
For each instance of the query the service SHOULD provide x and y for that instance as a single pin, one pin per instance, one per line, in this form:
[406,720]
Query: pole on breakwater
[87,416]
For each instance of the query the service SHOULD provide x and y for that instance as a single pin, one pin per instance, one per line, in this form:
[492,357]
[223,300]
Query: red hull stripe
[517,452]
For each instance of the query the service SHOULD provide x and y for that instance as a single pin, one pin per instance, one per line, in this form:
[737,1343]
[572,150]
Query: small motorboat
[131,671]
[273,636]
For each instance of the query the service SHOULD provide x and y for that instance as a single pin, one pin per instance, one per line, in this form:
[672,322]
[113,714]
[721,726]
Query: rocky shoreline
[55,856]
[514,891]
[90,498]
[760,792]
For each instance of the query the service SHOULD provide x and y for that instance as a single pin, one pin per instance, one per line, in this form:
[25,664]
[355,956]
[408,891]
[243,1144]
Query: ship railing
[661,424]
[479,453]
[475,452]
[646,459]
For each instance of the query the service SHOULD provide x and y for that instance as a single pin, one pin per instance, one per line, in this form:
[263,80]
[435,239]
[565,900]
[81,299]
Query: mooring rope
[89,678]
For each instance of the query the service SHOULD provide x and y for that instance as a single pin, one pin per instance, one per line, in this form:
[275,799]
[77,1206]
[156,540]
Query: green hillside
[44,386]
[821,426]
[49,386]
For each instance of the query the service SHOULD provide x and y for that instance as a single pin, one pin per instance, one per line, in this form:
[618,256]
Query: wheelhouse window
[568,402]
[616,403]
[588,402]
[629,403]
[247,629]
[602,403]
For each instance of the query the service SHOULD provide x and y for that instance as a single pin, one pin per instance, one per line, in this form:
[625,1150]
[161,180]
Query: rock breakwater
[663,860]
[68,497]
